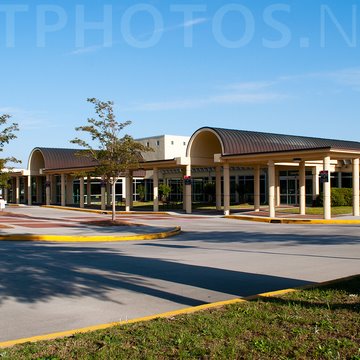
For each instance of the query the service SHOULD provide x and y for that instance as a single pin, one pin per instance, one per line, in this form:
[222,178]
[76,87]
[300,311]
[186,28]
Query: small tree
[141,191]
[6,135]
[115,156]
[164,192]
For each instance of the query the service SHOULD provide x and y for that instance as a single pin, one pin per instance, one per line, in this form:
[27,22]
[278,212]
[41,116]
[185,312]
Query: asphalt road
[48,287]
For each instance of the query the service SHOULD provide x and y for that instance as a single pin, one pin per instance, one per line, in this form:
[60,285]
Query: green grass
[319,323]
[336,210]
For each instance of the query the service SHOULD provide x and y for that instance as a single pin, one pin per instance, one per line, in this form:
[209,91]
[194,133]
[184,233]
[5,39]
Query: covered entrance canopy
[223,148]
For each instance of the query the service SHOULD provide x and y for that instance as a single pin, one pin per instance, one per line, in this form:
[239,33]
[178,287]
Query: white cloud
[186,24]
[349,78]
[241,93]
[28,119]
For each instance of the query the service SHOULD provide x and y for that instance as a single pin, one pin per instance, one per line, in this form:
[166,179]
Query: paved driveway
[46,287]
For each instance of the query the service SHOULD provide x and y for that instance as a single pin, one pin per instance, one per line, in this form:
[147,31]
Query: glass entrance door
[289,194]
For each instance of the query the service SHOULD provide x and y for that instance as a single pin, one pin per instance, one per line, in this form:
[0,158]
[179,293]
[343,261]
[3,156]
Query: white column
[327,190]
[315,183]
[218,187]
[226,189]
[271,179]
[128,184]
[63,190]
[302,184]
[88,190]
[257,188]
[103,194]
[29,190]
[82,183]
[188,192]
[355,176]
[48,190]
[17,190]
[156,189]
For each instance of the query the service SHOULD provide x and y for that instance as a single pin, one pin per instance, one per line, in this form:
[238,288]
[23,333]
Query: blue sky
[173,66]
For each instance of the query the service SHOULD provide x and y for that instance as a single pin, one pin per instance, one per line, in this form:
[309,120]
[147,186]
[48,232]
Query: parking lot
[51,287]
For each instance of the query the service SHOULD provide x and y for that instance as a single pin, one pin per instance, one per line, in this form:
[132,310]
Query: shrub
[339,197]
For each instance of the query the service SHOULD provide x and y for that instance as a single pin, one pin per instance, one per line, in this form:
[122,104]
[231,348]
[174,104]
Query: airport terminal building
[240,166]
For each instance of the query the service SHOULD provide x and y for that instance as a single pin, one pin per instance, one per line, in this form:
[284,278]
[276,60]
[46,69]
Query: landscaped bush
[339,197]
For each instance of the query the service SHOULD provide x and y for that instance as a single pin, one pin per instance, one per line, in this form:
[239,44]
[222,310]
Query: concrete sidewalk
[38,221]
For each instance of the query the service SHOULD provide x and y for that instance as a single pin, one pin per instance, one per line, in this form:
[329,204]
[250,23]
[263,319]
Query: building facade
[220,165]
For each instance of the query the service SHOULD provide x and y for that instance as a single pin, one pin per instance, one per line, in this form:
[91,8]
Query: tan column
[63,190]
[355,176]
[48,190]
[108,194]
[17,190]
[156,189]
[69,190]
[128,184]
[38,189]
[237,194]
[218,187]
[103,194]
[13,188]
[226,189]
[277,187]
[53,189]
[327,190]
[315,183]
[29,192]
[340,179]
[188,192]
[302,184]
[131,188]
[82,192]
[271,170]
[6,193]
[88,190]
[257,188]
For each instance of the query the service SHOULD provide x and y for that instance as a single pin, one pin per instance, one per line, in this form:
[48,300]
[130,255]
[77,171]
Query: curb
[292,221]
[107,212]
[100,238]
[169,314]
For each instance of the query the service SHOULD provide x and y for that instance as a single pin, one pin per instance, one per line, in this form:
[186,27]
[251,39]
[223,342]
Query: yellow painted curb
[100,238]
[293,221]
[105,212]
[168,314]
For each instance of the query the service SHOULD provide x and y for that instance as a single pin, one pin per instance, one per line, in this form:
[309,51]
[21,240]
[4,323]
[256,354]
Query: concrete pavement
[47,287]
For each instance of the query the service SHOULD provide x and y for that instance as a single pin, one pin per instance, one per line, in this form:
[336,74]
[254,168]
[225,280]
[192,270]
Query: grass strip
[316,323]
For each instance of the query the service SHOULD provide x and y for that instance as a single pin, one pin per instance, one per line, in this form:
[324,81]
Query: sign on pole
[324,176]
[187,180]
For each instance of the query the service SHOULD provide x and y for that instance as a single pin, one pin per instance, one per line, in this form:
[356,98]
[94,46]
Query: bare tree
[115,156]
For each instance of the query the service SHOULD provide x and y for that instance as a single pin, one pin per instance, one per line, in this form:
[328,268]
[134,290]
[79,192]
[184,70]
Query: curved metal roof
[236,142]
[56,158]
